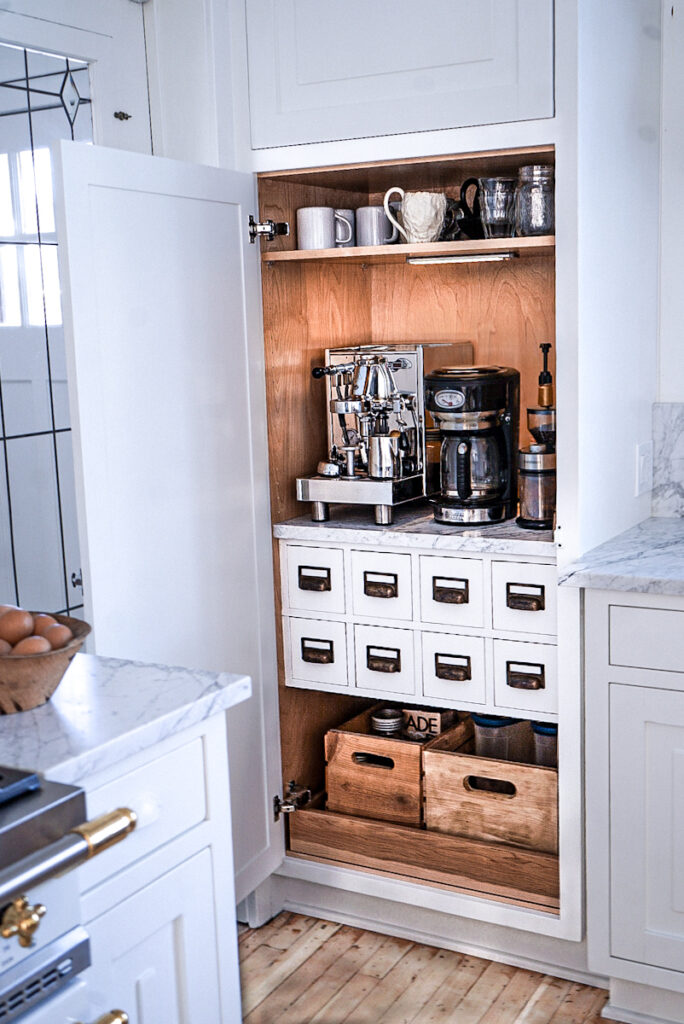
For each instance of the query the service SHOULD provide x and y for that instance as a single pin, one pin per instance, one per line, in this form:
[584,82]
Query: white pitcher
[422,213]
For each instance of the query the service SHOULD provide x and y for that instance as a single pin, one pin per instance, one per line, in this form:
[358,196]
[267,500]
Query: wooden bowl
[28,680]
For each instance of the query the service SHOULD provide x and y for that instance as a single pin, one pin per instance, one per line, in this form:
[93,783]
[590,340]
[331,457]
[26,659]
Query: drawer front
[381,584]
[318,651]
[525,676]
[453,667]
[647,638]
[384,659]
[168,795]
[315,579]
[451,590]
[524,597]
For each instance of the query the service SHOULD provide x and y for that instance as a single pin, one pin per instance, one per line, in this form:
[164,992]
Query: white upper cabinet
[322,70]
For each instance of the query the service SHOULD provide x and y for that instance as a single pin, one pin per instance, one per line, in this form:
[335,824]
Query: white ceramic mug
[347,217]
[421,212]
[316,227]
[373,227]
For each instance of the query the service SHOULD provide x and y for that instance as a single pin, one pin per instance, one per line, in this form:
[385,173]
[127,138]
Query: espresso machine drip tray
[322,491]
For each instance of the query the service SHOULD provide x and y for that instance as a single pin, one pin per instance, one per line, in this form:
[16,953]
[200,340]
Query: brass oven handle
[107,830]
[113,1017]
[534,600]
[455,673]
[308,578]
[390,661]
[317,655]
[444,593]
[522,676]
[386,588]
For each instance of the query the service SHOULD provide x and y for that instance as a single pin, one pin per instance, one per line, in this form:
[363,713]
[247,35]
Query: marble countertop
[648,559]
[105,710]
[415,527]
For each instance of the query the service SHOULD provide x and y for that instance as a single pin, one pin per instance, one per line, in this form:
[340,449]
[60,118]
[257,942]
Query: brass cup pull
[314,577]
[457,669]
[450,591]
[317,652]
[522,676]
[21,919]
[525,597]
[383,659]
[113,1017]
[381,584]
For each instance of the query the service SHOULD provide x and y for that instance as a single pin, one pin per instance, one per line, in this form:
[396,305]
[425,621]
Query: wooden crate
[379,777]
[526,816]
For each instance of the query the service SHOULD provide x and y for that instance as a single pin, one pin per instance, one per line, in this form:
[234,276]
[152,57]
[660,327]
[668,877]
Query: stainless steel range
[43,946]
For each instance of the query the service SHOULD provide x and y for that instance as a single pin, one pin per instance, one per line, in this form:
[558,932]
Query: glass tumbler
[497,206]
[534,208]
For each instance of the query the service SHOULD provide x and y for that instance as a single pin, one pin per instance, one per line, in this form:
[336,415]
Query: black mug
[470,223]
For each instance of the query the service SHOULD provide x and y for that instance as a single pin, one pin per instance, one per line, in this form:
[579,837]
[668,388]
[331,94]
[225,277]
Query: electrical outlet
[644,469]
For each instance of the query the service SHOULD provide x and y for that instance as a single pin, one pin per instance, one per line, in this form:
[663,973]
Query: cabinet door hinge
[295,797]
[267,229]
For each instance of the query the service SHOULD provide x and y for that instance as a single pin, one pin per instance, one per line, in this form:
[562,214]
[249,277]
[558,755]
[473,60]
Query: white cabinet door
[647,825]
[165,365]
[155,954]
[321,70]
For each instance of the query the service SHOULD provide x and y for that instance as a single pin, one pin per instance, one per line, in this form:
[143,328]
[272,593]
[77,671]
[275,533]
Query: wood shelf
[543,245]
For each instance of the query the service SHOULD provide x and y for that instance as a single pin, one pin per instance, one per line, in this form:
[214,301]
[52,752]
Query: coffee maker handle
[463,481]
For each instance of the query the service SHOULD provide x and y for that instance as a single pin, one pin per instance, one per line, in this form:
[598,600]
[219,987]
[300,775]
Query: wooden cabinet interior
[504,310]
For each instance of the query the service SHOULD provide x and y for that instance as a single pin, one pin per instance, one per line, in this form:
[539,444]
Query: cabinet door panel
[647,825]
[320,70]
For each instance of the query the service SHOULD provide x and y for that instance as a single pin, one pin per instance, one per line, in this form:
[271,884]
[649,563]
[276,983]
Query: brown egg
[7,608]
[42,622]
[32,645]
[58,636]
[5,648]
[15,625]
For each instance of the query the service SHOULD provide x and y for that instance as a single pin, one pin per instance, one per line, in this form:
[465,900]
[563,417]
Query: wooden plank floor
[301,970]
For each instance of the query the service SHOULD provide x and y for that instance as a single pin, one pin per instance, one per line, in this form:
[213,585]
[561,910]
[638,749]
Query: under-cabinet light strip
[475,257]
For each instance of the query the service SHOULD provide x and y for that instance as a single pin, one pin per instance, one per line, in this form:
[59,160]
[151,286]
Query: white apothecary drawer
[525,677]
[384,659]
[650,638]
[451,590]
[381,584]
[454,667]
[524,597]
[167,794]
[317,651]
[315,579]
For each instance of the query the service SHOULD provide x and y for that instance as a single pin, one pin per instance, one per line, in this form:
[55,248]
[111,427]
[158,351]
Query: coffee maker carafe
[476,409]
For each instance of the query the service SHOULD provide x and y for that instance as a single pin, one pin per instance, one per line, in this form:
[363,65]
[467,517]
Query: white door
[647,825]
[321,70]
[109,35]
[162,315]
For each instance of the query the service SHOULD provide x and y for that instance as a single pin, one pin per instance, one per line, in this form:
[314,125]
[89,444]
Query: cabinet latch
[295,797]
[267,229]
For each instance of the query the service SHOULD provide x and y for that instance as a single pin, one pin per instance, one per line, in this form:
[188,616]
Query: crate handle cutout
[318,652]
[523,676]
[381,584]
[526,597]
[374,760]
[314,577]
[450,591]
[492,787]
[383,659]
[454,667]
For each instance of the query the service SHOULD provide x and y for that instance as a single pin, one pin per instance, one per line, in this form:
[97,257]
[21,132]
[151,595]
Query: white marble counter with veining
[105,710]
[415,527]
[648,559]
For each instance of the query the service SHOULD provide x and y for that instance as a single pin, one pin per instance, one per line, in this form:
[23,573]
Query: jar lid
[536,172]
[537,458]
[545,728]
[387,720]
[493,721]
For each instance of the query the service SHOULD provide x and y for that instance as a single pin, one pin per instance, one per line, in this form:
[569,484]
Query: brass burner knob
[21,919]
[113,1017]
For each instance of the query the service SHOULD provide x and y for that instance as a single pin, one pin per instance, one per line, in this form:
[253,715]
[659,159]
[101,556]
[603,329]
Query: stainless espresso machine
[376,430]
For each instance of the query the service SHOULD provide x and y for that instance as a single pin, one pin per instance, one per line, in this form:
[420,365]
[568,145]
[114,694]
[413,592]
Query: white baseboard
[612,1012]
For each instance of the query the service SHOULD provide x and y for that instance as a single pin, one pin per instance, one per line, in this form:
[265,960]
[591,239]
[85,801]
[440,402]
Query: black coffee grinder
[477,410]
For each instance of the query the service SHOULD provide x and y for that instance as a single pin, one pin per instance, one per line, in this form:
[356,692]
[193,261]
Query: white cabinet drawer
[318,651]
[384,659]
[381,584]
[315,579]
[524,597]
[168,795]
[525,676]
[451,590]
[453,667]
[647,638]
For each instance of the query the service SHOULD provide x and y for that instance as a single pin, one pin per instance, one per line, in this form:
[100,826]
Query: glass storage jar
[534,206]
